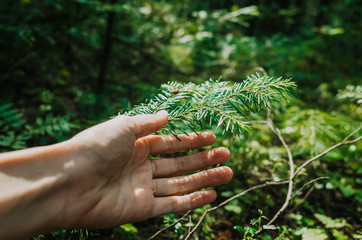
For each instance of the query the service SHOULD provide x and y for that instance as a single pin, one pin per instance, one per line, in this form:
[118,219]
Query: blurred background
[66,65]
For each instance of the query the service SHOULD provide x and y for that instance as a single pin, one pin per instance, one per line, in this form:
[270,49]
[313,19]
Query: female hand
[114,181]
[103,177]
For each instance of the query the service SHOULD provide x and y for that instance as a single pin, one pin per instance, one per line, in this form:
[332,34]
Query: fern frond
[214,103]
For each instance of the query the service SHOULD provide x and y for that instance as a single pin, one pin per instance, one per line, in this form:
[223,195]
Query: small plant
[251,233]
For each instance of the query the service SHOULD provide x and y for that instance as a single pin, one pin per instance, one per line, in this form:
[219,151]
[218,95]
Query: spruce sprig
[214,103]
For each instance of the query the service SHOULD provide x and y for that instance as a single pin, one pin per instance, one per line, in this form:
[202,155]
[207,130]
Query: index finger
[170,144]
[145,124]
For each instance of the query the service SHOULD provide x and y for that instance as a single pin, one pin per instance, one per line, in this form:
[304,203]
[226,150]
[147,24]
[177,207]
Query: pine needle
[219,104]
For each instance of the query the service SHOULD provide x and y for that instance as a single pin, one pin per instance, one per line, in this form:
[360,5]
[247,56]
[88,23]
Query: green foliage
[216,103]
[313,130]
[314,233]
[17,133]
[48,127]
[51,85]
[351,93]
[81,234]
[127,231]
[251,232]
[329,227]
[331,223]
[12,135]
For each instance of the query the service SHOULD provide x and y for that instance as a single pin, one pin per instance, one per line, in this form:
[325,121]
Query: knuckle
[180,185]
[169,144]
[174,204]
[180,165]
[202,178]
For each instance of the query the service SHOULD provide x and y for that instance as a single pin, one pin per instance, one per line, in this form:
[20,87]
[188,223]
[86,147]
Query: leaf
[269,227]
[357,236]
[347,190]
[331,223]
[254,221]
[250,230]
[339,235]
[314,234]
[233,208]
[260,212]
[239,228]
[227,194]
[129,228]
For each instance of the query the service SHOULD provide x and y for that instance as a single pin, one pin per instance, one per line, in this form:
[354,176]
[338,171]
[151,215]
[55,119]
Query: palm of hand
[128,187]
[126,194]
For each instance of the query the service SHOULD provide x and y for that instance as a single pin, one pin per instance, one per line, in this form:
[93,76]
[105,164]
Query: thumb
[143,125]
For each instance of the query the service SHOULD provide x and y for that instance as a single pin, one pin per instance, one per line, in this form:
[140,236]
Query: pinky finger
[175,204]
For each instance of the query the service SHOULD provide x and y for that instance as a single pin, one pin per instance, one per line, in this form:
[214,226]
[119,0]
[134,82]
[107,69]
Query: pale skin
[103,177]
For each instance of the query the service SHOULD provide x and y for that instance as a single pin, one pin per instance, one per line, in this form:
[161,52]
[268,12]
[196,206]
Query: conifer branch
[193,107]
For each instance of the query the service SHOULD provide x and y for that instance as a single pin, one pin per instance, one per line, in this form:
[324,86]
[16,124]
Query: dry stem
[290,181]
[292,175]
[230,199]
[344,142]
[173,224]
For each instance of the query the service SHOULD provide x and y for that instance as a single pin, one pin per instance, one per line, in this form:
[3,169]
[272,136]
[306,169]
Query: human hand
[113,181]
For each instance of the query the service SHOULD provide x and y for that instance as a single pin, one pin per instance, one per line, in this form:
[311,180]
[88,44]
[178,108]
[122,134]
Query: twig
[230,199]
[173,224]
[291,164]
[293,174]
[190,223]
[310,182]
[304,198]
[343,142]
[291,169]
[353,141]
